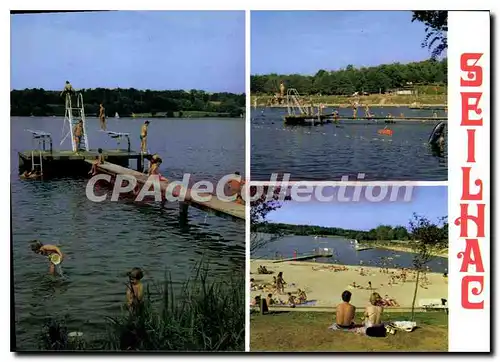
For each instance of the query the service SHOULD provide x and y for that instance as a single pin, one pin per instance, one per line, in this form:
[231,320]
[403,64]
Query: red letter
[466,108]
[471,246]
[466,194]
[474,72]
[475,291]
[471,145]
[464,217]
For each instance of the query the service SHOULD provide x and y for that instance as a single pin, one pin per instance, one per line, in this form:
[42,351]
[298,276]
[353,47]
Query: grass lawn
[308,331]
[373,99]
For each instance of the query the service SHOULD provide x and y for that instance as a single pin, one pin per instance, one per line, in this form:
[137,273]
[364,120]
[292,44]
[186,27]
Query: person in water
[78,133]
[144,136]
[33,174]
[102,117]
[99,160]
[135,290]
[47,250]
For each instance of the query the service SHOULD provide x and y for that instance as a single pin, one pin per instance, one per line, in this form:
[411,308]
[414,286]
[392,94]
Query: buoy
[385,132]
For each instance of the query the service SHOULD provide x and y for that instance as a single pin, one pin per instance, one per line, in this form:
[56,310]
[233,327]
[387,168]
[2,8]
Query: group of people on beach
[277,287]
[134,292]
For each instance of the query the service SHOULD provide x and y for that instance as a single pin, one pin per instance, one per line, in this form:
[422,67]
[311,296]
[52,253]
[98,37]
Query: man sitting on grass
[344,317]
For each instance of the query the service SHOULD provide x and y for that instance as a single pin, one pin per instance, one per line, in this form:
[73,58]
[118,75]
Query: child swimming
[135,290]
[51,251]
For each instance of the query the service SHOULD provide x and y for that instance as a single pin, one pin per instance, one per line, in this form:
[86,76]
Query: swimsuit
[345,327]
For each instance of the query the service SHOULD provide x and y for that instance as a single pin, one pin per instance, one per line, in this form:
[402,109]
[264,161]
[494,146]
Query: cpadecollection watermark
[231,188]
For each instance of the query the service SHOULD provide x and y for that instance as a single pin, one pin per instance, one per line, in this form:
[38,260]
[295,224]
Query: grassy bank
[406,247]
[308,331]
[204,316]
[372,100]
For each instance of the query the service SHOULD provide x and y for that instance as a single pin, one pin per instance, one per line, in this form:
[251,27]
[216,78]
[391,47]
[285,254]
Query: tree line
[41,102]
[370,80]
[380,233]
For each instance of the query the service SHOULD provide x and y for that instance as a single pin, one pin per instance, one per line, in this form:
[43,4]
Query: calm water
[344,253]
[328,152]
[103,241]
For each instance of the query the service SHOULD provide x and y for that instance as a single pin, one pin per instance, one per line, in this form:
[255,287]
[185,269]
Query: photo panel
[128,222]
[346,263]
[357,95]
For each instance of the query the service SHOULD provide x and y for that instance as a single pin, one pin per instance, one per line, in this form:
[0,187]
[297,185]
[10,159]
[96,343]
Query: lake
[328,152]
[344,252]
[102,241]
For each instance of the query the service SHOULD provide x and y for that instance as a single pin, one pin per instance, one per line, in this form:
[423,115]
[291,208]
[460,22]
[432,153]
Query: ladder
[43,144]
[293,103]
[33,162]
[72,117]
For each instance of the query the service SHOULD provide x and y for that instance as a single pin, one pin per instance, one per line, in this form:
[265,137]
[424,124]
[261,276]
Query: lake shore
[324,283]
[376,100]
[407,249]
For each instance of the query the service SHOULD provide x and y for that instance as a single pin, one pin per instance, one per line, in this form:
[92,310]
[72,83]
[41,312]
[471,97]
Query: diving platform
[70,163]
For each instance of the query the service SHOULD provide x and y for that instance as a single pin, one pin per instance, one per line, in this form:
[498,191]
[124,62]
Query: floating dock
[300,258]
[328,118]
[316,253]
[70,163]
[232,209]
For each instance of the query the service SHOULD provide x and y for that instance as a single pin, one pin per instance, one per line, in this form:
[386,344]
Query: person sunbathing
[263,270]
[269,300]
[344,316]
[373,312]
[389,302]
[302,296]
[354,285]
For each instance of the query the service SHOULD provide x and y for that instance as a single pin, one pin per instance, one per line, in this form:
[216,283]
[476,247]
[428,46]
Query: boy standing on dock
[102,117]
[144,136]
[78,132]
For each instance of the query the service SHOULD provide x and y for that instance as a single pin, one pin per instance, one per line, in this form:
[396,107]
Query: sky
[130,49]
[304,42]
[428,201]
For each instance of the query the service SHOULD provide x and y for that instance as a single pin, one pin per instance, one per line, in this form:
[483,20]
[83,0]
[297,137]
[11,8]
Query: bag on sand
[376,331]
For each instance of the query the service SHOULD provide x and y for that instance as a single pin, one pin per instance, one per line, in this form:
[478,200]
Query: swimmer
[102,117]
[78,133]
[144,136]
[46,250]
[135,290]
[99,160]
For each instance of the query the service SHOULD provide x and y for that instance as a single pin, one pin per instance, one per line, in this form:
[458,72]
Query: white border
[470,34]
[248,146]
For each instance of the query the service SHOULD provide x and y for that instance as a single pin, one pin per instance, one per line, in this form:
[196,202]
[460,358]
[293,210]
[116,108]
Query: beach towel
[356,328]
[307,303]
[406,326]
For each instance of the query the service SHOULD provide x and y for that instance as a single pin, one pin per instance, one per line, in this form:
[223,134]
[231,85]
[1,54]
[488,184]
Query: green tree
[436,28]
[426,237]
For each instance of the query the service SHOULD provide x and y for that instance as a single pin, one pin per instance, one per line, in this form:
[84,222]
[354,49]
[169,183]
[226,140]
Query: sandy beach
[324,285]
[439,253]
